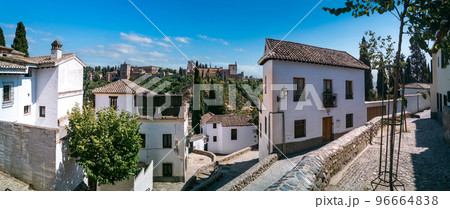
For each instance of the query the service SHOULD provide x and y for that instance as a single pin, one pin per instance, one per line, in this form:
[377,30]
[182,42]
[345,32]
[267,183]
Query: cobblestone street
[424,160]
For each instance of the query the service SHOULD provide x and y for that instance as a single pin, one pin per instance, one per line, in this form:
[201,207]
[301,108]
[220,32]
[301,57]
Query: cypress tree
[20,42]
[381,83]
[418,63]
[197,113]
[368,78]
[408,74]
[217,110]
[2,38]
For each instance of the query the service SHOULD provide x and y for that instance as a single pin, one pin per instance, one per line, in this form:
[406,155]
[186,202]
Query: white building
[440,88]
[39,92]
[229,133]
[163,130]
[415,88]
[311,95]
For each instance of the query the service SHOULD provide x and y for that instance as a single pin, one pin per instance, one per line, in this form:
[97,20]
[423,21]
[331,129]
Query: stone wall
[38,156]
[446,123]
[317,167]
[206,168]
[28,153]
[206,153]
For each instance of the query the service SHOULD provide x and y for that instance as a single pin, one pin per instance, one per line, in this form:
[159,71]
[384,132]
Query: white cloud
[7,25]
[123,48]
[213,39]
[163,44]
[31,40]
[37,31]
[239,50]
[155,54]
[182,39]
[136,38]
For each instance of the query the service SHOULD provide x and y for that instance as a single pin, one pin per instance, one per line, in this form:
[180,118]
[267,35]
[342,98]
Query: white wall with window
[230,139]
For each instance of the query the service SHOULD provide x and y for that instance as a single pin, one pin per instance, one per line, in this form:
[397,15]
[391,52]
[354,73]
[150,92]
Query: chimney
[56,52]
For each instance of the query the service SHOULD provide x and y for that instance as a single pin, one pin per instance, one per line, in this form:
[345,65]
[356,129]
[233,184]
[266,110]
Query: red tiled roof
[38,60]
[14,66]
[230,120]
[122,86]
[290,51]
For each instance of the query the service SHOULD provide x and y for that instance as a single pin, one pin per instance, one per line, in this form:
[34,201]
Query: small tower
[125,71]
[56,52]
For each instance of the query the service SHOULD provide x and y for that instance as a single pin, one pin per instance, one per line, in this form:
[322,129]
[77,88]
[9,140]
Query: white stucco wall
[124,102]
[154,150]
[283,72]
[246,136]
[47,95]
[441,80]
[22,95]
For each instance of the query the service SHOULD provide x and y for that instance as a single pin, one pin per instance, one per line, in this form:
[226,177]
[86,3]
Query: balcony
[329,100]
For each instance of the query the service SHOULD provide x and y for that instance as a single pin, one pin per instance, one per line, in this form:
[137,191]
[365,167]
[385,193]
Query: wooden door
[375,111]
[327,128]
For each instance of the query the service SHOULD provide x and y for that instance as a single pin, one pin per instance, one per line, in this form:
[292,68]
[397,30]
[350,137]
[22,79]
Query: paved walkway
[234,168]
[195,161]
[8,182]
[424,160]
[274,173]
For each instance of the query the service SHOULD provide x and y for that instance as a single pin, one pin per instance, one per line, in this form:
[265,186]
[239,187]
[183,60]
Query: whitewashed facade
[164,136]
[329,100]
[229,133]
[40,91]
[440,88]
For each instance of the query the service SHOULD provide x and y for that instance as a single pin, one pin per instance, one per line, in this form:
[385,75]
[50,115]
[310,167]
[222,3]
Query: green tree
[381,83]
[430,20]
[105,144]
[368,78]
[197,113]
[408,75]
[418,63]
[20,42]
[217,110]
[2,38]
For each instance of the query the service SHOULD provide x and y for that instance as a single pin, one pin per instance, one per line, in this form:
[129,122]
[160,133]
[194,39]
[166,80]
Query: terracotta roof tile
[231,120]
[10,65]
[122,86]
[290,51]
[37,60]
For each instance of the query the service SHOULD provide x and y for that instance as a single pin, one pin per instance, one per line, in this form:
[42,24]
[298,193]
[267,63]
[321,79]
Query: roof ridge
[307,45]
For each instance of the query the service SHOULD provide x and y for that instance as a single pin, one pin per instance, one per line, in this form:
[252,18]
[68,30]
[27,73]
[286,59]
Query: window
[113,102]
[214,125]
[7,93]
[327,86]
[29,74]
[143,140]
[265,125]
[233,134]
[443,59]
[265,84]
[260,132]
[300,128]
[300,83]
[42,111]
[167,140]
[348,90]
[348,120]
[167,169]
[438,102]
[214,138]
[26,109]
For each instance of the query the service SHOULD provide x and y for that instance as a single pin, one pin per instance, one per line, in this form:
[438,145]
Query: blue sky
[217,32]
